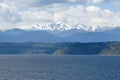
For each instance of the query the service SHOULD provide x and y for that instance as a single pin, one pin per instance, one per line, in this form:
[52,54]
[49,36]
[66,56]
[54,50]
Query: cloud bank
[26,13]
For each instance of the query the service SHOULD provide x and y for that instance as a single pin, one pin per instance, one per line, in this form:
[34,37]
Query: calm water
[59,68]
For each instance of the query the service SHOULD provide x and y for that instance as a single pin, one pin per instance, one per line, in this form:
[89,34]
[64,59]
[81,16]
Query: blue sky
[28,13]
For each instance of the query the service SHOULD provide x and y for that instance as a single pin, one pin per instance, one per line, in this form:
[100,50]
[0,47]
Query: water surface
[38,67]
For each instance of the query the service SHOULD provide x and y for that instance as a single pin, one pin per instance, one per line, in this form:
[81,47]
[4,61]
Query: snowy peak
[93,28]
[59,27]
[64,27]
[51,27]
[78,33]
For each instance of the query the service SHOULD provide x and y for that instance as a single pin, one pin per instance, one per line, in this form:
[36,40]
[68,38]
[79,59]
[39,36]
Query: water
[59,67]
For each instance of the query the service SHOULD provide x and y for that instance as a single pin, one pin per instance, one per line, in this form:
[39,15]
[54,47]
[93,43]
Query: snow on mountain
[51,27]
[64,27]
[62,33]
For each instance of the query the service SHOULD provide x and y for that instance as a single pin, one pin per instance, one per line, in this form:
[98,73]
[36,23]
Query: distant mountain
[61,33]
[64,27]
[103,36]
[18,35]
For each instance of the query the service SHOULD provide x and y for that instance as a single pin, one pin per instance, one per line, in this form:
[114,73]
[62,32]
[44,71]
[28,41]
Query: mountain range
[62,33]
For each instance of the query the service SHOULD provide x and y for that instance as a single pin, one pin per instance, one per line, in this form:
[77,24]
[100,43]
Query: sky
[28,13]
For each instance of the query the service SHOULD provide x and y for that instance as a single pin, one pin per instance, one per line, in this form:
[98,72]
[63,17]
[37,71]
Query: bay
[42,67]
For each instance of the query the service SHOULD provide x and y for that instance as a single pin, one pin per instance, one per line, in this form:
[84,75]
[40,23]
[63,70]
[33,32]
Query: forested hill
[101,48]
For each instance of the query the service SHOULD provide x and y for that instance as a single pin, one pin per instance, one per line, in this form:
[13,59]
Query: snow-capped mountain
[62,33]
[65,27]
[51,27]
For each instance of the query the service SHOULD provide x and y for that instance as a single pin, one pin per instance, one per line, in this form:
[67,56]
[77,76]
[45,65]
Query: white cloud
[116,2]
[97,1]
[41,3]
[72,1]
[73,15]
[34,15]
[93,9]
[8,16]
[1,1]
[22,13]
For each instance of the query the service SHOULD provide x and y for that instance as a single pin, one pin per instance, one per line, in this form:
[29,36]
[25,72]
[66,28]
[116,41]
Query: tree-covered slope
[101,48]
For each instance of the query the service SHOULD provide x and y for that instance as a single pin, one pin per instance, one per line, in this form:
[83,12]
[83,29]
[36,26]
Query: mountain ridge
[72,35]
[65,27]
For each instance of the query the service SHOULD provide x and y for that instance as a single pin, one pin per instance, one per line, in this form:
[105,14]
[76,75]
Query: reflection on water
[59,67]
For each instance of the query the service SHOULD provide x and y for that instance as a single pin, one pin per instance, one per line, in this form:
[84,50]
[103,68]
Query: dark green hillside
[83,49]
[101,48]
[30,48]
[106,48]
[112,49]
